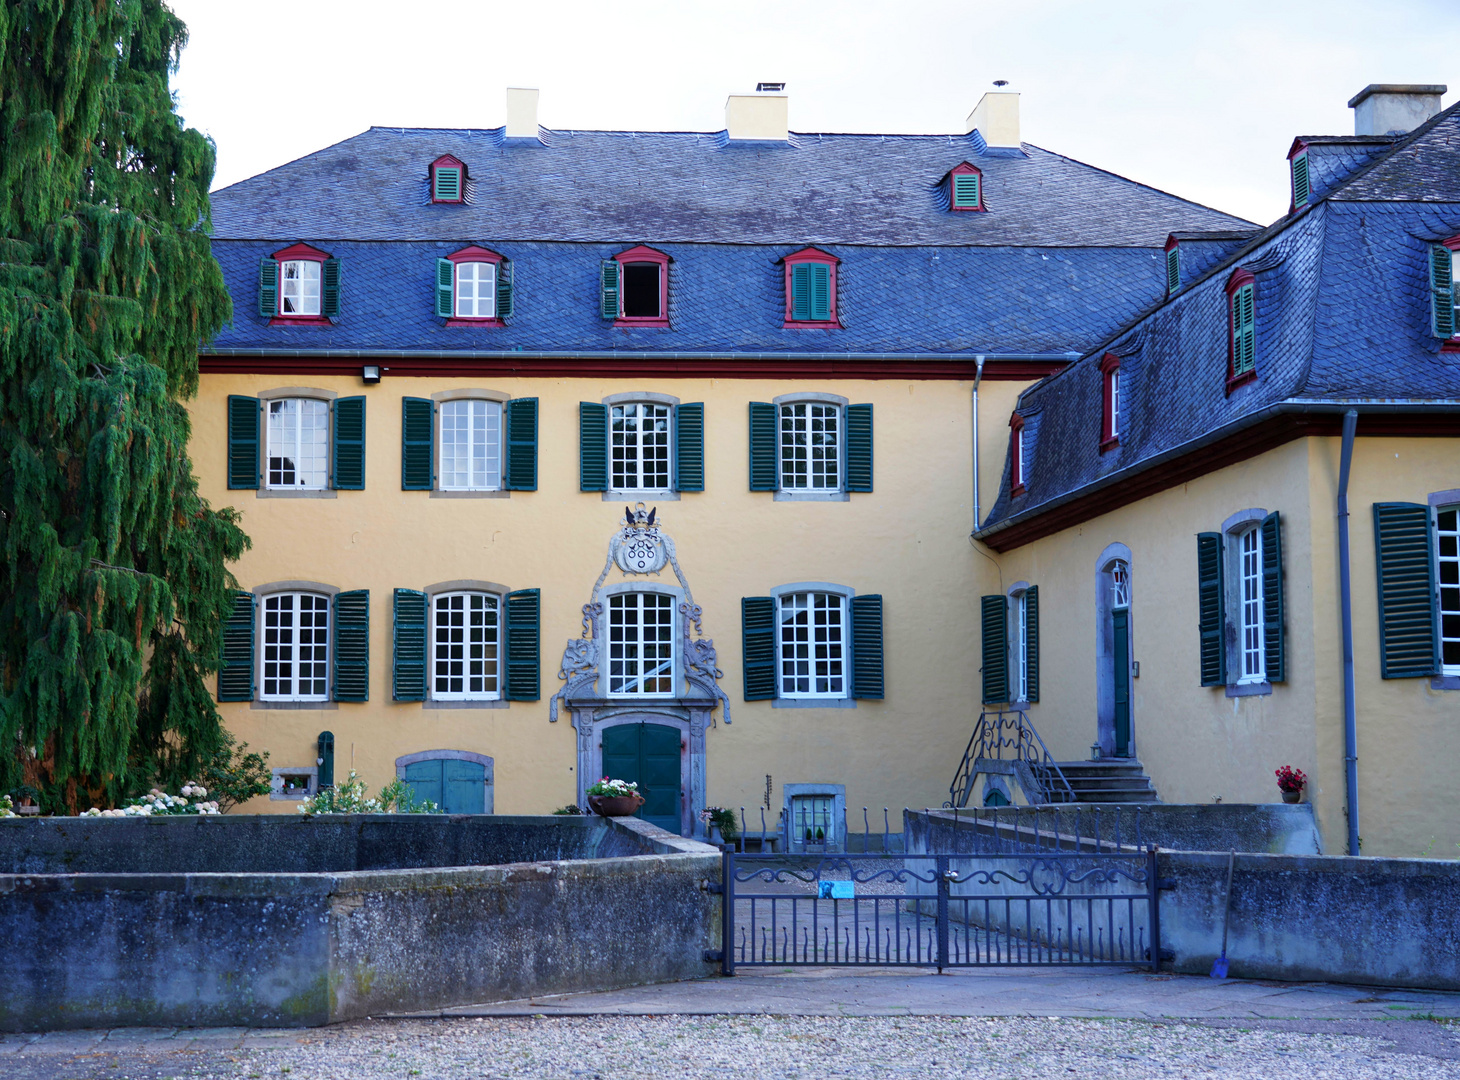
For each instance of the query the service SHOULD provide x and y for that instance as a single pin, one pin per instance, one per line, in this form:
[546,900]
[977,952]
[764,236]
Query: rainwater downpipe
[977,377]
[1350,721]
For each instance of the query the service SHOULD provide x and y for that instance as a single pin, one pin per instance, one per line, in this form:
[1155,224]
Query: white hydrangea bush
[192,799]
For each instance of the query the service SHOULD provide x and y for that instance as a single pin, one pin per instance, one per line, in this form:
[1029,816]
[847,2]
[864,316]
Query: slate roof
[1342,317]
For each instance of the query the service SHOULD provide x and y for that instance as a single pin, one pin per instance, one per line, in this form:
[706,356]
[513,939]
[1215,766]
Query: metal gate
[1008,899]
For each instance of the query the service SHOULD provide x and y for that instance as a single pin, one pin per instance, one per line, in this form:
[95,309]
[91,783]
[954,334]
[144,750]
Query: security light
[371,374]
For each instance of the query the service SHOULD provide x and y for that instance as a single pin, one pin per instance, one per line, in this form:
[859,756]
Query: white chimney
[763,116]
[996,117]
[521,113]
[1394,108]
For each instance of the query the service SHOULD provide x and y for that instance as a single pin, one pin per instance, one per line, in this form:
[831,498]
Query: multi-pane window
[640,447]
[476,290]
[1115,403]
[471,445]
[298,443]
[811,446]
[811,819]
[299,287]
[1021,646]
[1249,578]
[296,646]
[641,644]
[812,645]
[1447,552]
[464,640]
[1120,585]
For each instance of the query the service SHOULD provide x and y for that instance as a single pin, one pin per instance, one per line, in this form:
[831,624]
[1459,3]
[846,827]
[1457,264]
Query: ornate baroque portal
[607,679]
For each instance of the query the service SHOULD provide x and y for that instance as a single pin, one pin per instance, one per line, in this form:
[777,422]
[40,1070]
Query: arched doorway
[1113,593]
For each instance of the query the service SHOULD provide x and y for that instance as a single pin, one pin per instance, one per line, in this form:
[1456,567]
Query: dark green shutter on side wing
[764,471]
[820,292]
[1405,553]
[1173,270]
[758,647]
[243,442]
[524,644]
[859,447]
[445,286]
[351,647]
[608,289]
[235,676]
[592,446]
[347,454]
[268,287]
[330,289]
[504,289]
[867,677]
[1031,639]
[1211,609]
[1244,331]
[521,471]
[417,444]
[1300,181]
[801,292]
[995,619]
[1274,612]
[408,669]
[689,446]
[1442,296]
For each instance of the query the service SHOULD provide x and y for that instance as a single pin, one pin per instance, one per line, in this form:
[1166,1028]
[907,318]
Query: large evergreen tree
[114,585]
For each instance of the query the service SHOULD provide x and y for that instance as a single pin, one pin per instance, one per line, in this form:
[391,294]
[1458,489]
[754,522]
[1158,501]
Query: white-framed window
[298,432]
[465,640]
[811,446]
[640,434]
[641,644]
[296,635]
[1250,629]
[1021,646]
[471,445]
[811,645]
[476,290]
[299,287]
[811,820]
[1119,585]
[1447,575]
[1114,403]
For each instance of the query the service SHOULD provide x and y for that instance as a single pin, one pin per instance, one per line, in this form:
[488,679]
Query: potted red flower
[614,798]
[1291,783]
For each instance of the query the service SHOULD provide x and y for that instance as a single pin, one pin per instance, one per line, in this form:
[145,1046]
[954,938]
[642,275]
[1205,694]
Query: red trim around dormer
[811,255]
[643,254]
[1171,242]
[1017,451]
[1109,428]
[300,253]
[472,254]
[450,162]
[1239,278]
[297,253]
[965,169]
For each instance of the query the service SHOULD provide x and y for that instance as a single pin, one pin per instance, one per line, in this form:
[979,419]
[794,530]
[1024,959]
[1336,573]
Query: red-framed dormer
[965,188]
[1444,298]
[1300,186]
[1241,329]
[640,293]
[448,180]
[473,288]
[1109,402]
[811,290]
[1173,265]
[1018,465]
[299,286]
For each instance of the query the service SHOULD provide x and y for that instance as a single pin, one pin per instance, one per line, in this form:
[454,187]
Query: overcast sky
[1198,98]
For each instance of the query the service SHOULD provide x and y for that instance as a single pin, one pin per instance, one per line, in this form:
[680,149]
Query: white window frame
[843,643]
[615,689]
[1251,653]
[272,598]
[487,483]
[788,409]
[308,286]
[813,808]
[482,301]
[433,644]
[1441,562]
[298,404]
[1114,404]
[1021,645]
[614,448]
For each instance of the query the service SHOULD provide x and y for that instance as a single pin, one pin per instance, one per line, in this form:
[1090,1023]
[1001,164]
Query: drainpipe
[1350,721]
[977,378]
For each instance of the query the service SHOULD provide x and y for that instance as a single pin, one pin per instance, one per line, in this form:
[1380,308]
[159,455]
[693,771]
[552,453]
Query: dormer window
[634,288]
[1242,329]
[811,288]
[299,284]
[965,188]
[1110,402]
[1298,161]
[473,287]
[1017,461]
[1444,291]
[448,180]
[1173,266]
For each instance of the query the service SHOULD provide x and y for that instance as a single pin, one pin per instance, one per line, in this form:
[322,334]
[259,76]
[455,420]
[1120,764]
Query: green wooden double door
[457,787]
[648,755]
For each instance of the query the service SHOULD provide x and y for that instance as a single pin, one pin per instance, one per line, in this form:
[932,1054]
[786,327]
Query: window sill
[478,703]
[1249,689]
[813,703]
[1452,346]
[641,496]
[300,493]
[793,324]
[1445,682]
[1015,492]
[812,496]
[1235,381]
[463,320]
[623,323]
[289,796]
[1109,444]
[300,320]
[295,705]
[437,493]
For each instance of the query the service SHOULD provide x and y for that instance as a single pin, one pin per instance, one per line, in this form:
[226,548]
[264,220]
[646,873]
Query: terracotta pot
[615,805]
[1292,796]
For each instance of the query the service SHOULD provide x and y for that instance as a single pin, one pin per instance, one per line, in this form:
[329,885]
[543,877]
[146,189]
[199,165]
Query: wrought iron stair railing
[1007,735]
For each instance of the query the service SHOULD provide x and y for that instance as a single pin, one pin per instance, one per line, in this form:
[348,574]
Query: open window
[634,288]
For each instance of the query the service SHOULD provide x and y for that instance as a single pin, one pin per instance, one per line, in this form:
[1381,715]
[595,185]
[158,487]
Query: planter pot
[615,805]
[1292,796]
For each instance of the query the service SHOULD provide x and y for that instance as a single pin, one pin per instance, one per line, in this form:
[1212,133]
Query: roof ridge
[1400,144]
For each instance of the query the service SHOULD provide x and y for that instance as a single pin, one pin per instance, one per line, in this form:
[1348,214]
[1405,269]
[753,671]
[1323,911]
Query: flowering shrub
[157,803]
[397,797]
[724,818]
[613,789]
[5,807]
[1291,779]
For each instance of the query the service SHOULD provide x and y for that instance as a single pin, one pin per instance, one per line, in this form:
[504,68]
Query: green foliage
[233,774]
[350,797]
[113,586]
[571,810]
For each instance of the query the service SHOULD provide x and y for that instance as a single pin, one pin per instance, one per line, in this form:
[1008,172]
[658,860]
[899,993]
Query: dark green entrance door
[457,787]
[647,755]
[1121,618]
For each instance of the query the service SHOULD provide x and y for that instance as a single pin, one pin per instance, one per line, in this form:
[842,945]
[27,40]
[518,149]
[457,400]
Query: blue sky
[1198,98]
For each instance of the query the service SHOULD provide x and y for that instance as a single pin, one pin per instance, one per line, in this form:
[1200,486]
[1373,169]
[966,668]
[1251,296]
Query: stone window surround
[468,393]
[846,592]
[1105,648]
[276,792]
[676,631]
[838,795]
[640,397]
[261,591]
[1235,525]
[263,491]
[1450,497]
[487,763]
[792,494]
[467,585]
[1014,593]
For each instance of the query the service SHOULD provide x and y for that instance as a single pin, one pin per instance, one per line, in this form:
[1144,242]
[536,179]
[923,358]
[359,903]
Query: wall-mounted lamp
[371,374]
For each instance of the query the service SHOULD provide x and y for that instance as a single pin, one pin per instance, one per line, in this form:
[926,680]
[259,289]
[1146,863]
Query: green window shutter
[689,446]
[965,191]
[859,447]
[521,470]
[764,466]
[243,442]
[417,444]
[524,644]
[758,646]
[329,305]
[1442,296]
[347,452]
[1404,545]
[448,185]
[235,672]
[351,647]
[592,446]
[995,618]
[408,671]
[801,292]
[1274,613]
[445,288]
[1211,608]
[504,289]
[1244,331]
[1300,181]
[867,680]
[820,292]
[608,289]
[1031,637]
[268,287]
[1173,270]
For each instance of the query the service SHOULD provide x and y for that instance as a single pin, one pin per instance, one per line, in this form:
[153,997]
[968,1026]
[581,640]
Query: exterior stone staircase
[1110,780]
